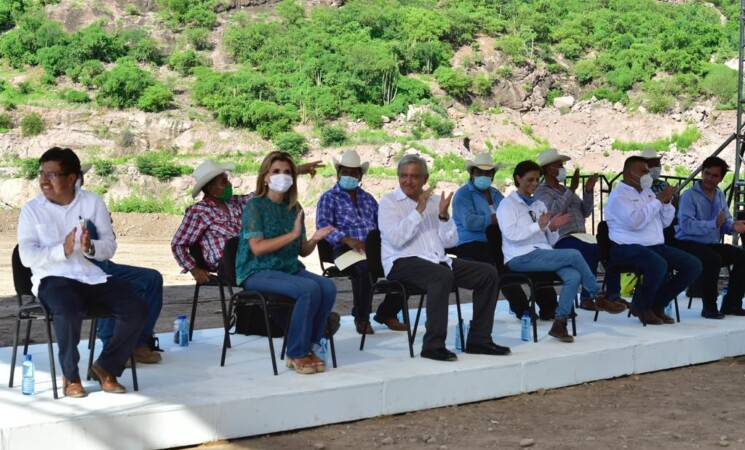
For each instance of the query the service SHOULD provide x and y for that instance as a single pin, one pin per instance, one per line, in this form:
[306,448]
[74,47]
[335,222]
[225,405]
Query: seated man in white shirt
[636,218]
[55,243]
[415,229]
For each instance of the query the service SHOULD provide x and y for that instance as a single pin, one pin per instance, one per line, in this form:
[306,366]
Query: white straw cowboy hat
[483,161]
[551,155]
[649,153]
[206,172]
[351,159]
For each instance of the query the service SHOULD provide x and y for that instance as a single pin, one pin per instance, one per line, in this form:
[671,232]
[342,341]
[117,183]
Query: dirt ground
[693,407]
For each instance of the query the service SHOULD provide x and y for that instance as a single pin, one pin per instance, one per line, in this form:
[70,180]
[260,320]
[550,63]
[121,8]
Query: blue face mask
[349,183]
[482,183]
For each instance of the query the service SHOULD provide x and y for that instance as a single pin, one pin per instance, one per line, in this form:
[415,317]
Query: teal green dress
[262,218]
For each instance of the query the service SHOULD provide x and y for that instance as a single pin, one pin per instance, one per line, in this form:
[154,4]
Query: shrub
[132,10]
[126,138]
[86,72]
[291,142]
[333,135]
[146,50]
[440,126]
[552,94]
[455,83]
[103,167]
[155,98]
[29,168]
[159,165]
[122,86]
[184,62]
[137,204]
[481,84]
[6,122]
[199,38]
[721,82]
[609,94]
[25,88]
[32,124]
[74,96]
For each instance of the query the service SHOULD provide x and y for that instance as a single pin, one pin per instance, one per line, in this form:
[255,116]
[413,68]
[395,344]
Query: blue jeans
[146,283]
[315,296]
[592,257]
[568,264]
[657,289]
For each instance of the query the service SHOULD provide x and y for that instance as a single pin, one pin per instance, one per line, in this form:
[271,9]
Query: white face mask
[655,172]
[562,174]
[280,182]
[646,181]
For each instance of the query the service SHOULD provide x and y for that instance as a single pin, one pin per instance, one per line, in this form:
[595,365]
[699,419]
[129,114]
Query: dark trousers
[713,257]
[361,289]
[147,284]
[657,289]
[545,297]
[69,300]
[438,280]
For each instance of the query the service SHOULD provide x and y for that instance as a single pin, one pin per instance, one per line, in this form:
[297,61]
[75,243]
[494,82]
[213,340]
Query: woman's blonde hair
[262,188]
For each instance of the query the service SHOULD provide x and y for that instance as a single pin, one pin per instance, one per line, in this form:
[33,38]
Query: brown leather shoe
[660,313]
[392,324]
[647,316]
[143,355]
[603,304]
[106,380]
[587,304]
[363,327]
[73,388]
[559,330]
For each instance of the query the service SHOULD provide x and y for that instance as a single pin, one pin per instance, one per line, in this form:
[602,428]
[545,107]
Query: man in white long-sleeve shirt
[54,242]
[415,229]
[636,219]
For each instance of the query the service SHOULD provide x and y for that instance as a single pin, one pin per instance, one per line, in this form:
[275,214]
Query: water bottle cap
[28,357]
[526,314]
[182,316]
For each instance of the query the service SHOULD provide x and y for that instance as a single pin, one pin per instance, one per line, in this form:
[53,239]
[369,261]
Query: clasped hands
[85,241]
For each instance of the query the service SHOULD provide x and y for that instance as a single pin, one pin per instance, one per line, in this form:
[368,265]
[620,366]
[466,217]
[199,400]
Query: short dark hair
[631,160]
[713,161]
[524,167]
[67,159]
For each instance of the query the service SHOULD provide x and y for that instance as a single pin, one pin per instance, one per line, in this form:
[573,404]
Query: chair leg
[51,357]
[226,339]
[269,335]
[16,335]
[690,302]
[333,351]
[225,316]
[407,322]
[677,310]
[133,363]
[91,348]
[193,311]
[533,313]
[416,321]
[573,315]
[460,320]
[28,337]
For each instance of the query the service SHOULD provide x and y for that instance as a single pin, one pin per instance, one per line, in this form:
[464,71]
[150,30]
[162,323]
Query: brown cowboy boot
[559,330]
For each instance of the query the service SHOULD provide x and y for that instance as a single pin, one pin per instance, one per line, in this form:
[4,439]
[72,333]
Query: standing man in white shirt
[416,228]
[54,242]
[636,218]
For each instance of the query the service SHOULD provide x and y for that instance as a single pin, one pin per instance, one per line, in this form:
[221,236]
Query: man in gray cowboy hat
[214,219]
[354,213]
[560,199]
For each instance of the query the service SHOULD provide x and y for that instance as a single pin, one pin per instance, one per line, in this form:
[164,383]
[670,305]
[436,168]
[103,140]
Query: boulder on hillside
[564,102]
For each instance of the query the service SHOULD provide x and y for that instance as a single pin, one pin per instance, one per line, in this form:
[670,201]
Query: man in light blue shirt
[703,218]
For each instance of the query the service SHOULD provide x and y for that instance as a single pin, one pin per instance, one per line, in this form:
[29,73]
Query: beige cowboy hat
[206,172]
[551,155]
[649,153]
[351,159]
[483,161]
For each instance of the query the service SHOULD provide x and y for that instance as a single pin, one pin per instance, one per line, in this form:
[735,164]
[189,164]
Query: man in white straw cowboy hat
[474,209]
[354,213]
[214,219]
[560,199]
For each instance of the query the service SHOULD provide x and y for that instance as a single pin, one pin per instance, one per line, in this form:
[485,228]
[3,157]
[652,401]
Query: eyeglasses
[533,216]
[51,175]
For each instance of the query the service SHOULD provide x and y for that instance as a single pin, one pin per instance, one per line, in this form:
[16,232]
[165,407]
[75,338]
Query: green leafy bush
[184,62]
[138,204]
[454,82]
[29,167]
[160,166]
[440,126]
[291,142]
[74,96]
[32,124]
[6,122]
[122,86]
[721,82]
[199,38]
[155,98]
[103,167]
[333,136]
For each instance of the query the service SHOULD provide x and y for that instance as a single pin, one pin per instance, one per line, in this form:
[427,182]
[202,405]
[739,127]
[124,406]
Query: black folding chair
[385,286]
[214,281]
[264,300]
[534,280]
[33,309]
[326,258]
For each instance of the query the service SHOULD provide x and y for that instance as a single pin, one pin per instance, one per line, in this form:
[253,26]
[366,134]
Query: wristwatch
[443,219]
[91,251]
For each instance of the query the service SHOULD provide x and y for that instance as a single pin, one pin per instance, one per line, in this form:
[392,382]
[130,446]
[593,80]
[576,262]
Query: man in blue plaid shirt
[354,213]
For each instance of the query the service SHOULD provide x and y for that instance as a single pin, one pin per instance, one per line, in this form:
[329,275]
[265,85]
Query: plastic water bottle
[525,326]
[400,316]
[27,384]
[177,330]
[183,333]
[322,351]
[458,341]
[724,294]
[669,309]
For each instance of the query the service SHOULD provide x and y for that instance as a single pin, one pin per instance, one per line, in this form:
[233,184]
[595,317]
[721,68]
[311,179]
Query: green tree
[122,86]
[454,82]
[155,98]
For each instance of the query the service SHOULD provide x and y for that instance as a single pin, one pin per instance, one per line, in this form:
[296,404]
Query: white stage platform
[189,399]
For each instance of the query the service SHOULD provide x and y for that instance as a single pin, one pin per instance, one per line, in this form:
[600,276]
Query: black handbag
[249,320]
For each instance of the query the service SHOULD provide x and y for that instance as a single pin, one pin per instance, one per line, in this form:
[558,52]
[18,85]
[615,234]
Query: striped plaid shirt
[335,208]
